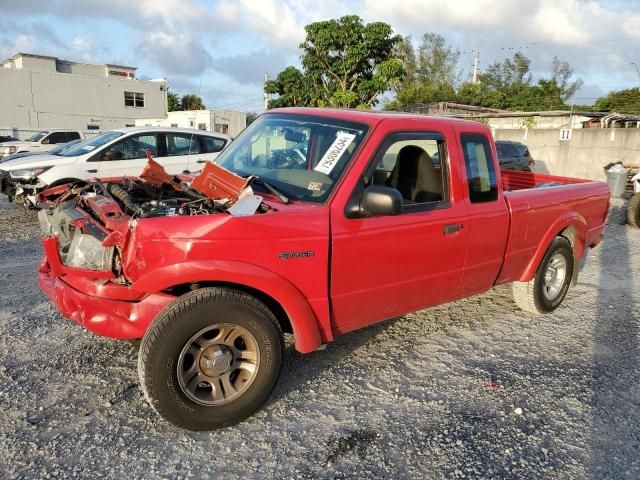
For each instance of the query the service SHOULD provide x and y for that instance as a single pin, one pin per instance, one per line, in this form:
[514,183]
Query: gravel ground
[472,389]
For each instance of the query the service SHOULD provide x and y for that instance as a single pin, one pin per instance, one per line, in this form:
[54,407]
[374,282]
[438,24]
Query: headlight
[28,174]
[87,252]
[8,150]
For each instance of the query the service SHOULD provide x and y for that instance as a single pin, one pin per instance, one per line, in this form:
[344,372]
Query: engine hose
[121,194]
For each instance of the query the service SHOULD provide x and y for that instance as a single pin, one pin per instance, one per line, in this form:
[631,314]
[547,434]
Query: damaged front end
[90,230]
[90,221]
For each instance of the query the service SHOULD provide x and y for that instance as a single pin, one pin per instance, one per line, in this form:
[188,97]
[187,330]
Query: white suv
[115,153]
[40,142]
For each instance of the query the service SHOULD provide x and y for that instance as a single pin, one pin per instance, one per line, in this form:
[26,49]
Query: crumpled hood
[34,161]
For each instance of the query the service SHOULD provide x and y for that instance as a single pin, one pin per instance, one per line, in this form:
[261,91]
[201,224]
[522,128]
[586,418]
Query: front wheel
[546,291]
[210,359]
[633,211]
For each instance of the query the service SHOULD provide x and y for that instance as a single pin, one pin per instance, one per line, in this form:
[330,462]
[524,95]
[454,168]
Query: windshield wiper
[283,198]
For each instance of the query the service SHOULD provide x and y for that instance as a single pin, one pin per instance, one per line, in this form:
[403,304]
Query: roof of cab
[372,117]
[170,129]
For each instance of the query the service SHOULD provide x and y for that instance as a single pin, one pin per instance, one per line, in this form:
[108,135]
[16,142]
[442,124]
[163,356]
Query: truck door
[127,156]
[487,214]
[386,266]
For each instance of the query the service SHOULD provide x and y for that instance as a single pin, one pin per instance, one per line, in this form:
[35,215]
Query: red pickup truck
[315,222]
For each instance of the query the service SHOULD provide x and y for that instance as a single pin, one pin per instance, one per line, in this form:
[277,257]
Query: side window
[56,137]
[71,136]
[182,144]
[132,148]
[212,144]
[481,173]
[414,166]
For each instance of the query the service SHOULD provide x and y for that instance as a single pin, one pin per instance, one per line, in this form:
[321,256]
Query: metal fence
[21,134]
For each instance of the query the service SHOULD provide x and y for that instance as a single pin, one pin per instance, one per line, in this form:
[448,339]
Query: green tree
[430,72]
[417,93]
[437,61]
[251,117]
[173,102]
[621,101]
[562,73]
[192,102]
[345,63]
[509,75]
[291,88]
[405,52]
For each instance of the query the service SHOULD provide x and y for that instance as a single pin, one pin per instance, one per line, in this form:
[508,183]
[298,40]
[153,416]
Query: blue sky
[221,49]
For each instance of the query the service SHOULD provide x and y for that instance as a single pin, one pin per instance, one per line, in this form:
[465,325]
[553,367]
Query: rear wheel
[546,291]
[210,359]
[633,211]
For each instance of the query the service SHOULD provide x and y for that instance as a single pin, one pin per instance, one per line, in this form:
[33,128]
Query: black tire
[530,296]
[633,211]
[173,331]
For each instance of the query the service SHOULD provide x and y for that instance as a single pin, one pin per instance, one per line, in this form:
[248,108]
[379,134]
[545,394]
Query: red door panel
[387,266]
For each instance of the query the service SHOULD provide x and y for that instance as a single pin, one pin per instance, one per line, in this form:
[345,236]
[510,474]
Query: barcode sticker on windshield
[331,157]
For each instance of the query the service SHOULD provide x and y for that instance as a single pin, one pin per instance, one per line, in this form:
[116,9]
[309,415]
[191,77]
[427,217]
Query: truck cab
[39,142]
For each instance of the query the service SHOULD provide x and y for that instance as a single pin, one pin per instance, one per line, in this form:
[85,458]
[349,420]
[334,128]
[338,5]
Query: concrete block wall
[584,156]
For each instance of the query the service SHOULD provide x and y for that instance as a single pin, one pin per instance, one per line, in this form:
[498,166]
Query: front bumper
[101,307]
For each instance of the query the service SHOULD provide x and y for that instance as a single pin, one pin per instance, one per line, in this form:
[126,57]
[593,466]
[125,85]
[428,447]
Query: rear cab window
[480,168]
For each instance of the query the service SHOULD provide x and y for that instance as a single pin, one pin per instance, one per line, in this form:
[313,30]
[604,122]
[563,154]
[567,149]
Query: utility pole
[637,70]
[266,95]
[476,62]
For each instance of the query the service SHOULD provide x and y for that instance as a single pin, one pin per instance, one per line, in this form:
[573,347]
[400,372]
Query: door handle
[93,170]
[452,228]
[201,161]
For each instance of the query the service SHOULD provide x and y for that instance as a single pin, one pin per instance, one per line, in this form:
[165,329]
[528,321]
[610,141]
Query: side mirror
[380,200]
[113,155]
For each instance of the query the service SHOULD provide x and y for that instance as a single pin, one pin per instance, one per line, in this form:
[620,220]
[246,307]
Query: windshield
[63,146]
[90,144]
[302,156]
[37,137]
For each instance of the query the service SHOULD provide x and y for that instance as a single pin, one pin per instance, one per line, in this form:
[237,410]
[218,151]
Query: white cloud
[275,23]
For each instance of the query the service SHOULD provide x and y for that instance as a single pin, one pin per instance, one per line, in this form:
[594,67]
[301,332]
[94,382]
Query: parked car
[39,142]
[366,227]
[58,149]
[633,209]
[514,156]
[7,138]
[112,154]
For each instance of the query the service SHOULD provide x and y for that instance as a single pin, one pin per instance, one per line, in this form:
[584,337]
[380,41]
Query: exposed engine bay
[90,218]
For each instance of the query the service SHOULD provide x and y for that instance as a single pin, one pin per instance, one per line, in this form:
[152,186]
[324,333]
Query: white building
[230,122]
[40,92]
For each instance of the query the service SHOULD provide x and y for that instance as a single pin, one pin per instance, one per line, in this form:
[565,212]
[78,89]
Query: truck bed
[542,206]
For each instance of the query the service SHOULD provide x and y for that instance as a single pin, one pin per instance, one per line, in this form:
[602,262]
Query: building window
[202,126]
[134,99]
[191,123]
[93,127]
[221,128]
[174,125]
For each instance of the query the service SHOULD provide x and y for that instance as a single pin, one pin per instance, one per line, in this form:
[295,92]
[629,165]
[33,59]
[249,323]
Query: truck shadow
[299,369]
[615,438]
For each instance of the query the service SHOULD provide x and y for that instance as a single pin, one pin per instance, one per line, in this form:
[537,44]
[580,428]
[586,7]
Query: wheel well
[570,234]
[270,302]
[62,181]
